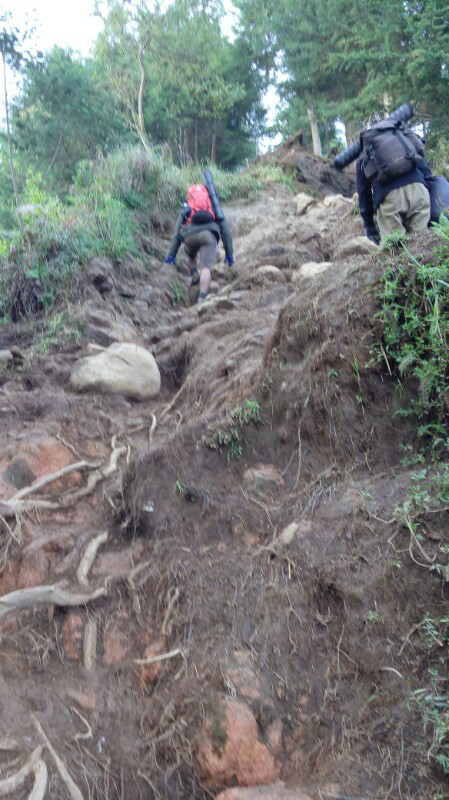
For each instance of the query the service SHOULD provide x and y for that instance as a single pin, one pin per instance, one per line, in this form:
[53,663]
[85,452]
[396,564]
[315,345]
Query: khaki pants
[204,243]
[406,210]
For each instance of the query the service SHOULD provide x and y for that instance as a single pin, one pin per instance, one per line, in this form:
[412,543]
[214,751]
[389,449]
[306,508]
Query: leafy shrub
[110,197]
[415,316]
[227,431]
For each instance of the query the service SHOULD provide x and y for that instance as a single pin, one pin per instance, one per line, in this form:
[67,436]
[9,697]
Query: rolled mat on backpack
[438,188]
[209,183]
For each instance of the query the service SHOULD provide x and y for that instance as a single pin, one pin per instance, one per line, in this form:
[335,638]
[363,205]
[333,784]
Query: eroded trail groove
[212,593]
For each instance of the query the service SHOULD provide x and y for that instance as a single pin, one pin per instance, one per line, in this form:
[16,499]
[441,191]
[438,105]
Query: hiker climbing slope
[200,226]
[391,180]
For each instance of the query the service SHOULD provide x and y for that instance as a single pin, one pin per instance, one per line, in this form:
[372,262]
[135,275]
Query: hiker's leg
[191,249]
[208,255]
[390,213]
[418,216]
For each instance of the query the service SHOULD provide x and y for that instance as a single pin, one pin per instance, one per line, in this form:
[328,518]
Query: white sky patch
[58,23]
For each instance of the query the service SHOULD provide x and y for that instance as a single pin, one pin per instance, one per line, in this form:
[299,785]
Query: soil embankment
[246,594]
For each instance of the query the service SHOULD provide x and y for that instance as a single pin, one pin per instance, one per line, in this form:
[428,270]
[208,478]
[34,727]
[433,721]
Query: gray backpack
[390,149]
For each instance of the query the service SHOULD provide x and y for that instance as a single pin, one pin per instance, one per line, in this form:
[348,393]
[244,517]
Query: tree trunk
[8,133]
[179,143]
[213,149]
[141,121]
[196,141]
[187,159]
[317,149]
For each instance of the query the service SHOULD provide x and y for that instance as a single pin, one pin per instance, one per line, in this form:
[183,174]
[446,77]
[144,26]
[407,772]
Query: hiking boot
[194,288]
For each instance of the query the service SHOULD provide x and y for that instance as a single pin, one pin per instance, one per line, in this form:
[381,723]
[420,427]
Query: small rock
[148,295]
[149,673]
[214,303]
[239,670]
[100,336]
[268,272]
[358,246]
[337,202]
[263,793]
[18,474]
[117,643]
[228,748]
[224,304]
[310,269]
[6,356]
[214,287]
[17,353]
[85,698]
[288,534]
[100,272]
[72,635]
[303,202]
[263,479]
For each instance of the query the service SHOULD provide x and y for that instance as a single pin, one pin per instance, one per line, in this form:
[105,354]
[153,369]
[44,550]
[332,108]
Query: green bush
[110,198]
[415,316]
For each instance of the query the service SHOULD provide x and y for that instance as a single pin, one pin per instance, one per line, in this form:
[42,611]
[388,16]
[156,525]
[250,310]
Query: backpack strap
[409,152]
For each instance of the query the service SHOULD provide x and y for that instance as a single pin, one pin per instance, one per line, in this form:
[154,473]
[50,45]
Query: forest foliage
[175,80]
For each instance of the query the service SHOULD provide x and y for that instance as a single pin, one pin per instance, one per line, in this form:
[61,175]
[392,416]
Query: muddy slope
[251,620]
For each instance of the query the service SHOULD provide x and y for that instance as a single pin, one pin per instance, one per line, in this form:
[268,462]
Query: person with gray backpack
[391,180]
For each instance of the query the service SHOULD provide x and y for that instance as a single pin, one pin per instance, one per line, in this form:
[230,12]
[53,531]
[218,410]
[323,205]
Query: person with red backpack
[199,227]
[391,181]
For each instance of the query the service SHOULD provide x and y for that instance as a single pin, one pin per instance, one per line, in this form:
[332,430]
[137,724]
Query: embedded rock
[310,269]
[358,246]
[268,272]
[263,793]
[263,479]
[303,201]
[228,748]
[121,369]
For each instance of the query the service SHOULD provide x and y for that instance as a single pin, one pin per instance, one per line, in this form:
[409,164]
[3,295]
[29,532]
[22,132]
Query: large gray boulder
[122,368]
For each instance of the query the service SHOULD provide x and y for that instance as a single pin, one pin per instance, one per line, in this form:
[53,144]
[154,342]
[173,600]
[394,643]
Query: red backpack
[199,201]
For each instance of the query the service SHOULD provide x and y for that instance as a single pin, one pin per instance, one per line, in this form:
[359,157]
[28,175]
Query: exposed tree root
[40,781]
[88,733]
[38,595]
[161,657]
[17,505]
[74,791]
[51,477]
[33,765]
[8,744]
[89,557]
[90,645]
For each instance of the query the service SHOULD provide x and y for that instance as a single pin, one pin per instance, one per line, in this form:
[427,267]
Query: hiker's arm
[366,205]
[176,241]
[226,238]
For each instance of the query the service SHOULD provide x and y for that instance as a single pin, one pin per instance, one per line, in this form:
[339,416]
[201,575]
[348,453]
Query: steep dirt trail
[255,578]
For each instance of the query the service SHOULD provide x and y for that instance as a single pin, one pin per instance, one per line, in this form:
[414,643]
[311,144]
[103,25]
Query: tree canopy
[168,76]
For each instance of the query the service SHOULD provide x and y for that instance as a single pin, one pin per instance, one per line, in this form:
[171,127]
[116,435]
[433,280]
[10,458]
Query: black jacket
[372,193]
[183,231]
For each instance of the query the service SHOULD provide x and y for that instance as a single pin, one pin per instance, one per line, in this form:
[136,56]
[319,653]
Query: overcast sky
[65,24]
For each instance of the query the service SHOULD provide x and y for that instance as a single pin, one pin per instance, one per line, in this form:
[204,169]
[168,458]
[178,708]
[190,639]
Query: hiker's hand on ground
[170,260]
[229,260]
[372,233]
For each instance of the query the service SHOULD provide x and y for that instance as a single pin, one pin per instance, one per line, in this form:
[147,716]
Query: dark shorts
[205,243]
